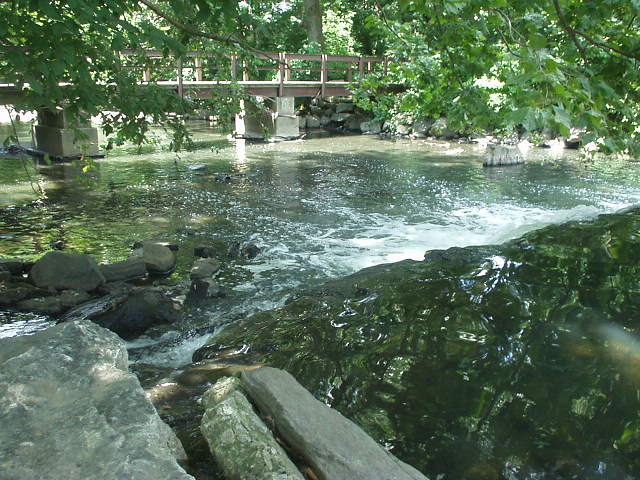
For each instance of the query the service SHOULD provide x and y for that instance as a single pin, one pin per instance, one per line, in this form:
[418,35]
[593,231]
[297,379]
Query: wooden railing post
[349,72]
[180,84]
[360,70]
[324,75]
[199,76]
[385,65]
[234,67]
[282,58]
[146,74]
[287,71]
[245,71]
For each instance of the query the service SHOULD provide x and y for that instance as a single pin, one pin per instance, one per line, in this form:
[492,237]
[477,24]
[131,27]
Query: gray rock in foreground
[242,444]
[66,271]
[335,447]
[71,410]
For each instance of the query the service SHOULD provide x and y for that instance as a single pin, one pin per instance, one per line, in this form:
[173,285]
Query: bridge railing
[274,68]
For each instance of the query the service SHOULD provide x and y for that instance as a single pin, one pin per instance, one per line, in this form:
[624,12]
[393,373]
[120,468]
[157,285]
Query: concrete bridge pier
[63,135]
[281,122]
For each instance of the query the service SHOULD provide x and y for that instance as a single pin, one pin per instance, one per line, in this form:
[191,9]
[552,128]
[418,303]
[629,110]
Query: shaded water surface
[518,361]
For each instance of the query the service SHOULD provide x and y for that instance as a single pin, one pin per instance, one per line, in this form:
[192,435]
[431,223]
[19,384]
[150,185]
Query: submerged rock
[71,410]
[205,288]
[64,271]
[240,441]
[249,251]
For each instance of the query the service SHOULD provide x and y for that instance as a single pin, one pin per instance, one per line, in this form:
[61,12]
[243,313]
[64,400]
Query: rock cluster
[325,444]
[342,115]
[127,297]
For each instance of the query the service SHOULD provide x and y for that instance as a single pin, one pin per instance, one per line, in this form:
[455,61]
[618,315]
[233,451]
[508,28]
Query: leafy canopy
[518,67]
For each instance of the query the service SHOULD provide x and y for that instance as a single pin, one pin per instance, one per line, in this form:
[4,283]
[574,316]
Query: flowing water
[319,209]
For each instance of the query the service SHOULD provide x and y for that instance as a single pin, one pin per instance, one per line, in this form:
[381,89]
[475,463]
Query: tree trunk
[313,22]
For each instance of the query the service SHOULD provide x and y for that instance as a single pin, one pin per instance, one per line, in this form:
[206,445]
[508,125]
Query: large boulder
[340,117]
[239,440]
[66,271]
[371,127]
[335,447]
[313,121]
[140,310]
[422,126]
[71,410]
[344,107]
[127,311]
[440,129]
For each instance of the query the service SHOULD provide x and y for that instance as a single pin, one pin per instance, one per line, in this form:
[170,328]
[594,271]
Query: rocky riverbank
[342,115]
[129,297]
[452,363]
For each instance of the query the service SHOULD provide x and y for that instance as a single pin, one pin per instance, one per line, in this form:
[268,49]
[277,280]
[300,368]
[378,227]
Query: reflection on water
[515,362]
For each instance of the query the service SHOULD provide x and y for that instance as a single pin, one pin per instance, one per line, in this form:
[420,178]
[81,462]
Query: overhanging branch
[604,46]
[197,33]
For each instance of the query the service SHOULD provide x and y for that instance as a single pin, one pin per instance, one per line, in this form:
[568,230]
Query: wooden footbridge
[333,74]
[198,74]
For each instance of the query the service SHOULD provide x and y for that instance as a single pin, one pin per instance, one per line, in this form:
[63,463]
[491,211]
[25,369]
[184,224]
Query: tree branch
[572,33]
[604,46]
[197,33]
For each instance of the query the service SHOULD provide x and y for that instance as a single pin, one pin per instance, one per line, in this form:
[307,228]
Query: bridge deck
[281,67]
[10,94]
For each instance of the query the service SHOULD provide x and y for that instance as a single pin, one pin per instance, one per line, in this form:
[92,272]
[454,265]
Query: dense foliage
[80,42]
[537,67]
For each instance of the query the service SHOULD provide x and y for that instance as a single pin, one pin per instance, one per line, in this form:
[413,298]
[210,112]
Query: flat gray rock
[204,268]
[239,440]
[66,271]
[335,447]
[71,410]
[129,269]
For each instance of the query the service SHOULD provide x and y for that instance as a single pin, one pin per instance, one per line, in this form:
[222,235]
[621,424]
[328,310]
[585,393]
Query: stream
[319,209]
